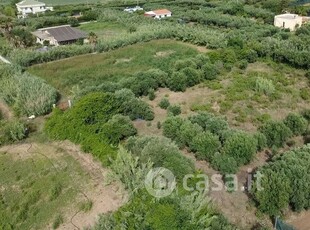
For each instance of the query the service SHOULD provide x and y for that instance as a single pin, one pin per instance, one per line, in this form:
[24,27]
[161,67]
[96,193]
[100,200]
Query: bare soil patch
[300,221]
[164,53]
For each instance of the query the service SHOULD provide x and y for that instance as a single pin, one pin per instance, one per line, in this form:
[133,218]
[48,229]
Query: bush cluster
[285,182]
[98,120]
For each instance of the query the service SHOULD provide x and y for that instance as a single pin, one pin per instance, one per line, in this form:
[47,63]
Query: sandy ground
[105,197]
[300,221]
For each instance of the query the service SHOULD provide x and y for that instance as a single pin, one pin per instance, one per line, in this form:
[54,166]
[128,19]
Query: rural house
[158,14]
[27,7]
[288,21]
[59,35]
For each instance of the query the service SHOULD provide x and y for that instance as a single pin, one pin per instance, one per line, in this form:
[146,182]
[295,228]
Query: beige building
[27,7]
[288,21]
[158,14]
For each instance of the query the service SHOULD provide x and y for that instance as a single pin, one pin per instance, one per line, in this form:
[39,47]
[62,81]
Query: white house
[59,35]
[158,14]
[27,7]
[288,21]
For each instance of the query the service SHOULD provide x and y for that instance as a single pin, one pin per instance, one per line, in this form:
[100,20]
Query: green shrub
[297,124]
[177,81]
[118,128]
[210,122]
[264,86]
[57,221]
[86,206]
[172,126]
[174,110]
[305,94]
[261,141]
[162,152]
[225,164]
[276,132]
[241,146]
[306,114]
[187,132]
[243,64]
[193,76]
[28,95]
[205,145]
[285,182]
[12,131]
[151,94]
[164,103]
[132,106]
[209,71]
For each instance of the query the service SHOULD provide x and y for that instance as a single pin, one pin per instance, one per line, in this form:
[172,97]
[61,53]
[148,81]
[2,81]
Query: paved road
[4,60]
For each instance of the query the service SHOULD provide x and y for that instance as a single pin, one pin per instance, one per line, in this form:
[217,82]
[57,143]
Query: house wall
[25,10]
[288,23]
[163,16]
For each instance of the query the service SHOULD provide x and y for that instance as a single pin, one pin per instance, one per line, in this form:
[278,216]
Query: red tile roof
[162,12]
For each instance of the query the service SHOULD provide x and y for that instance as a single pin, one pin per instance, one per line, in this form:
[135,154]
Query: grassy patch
[86,206]
[94,69]
[34,190]
[104,29]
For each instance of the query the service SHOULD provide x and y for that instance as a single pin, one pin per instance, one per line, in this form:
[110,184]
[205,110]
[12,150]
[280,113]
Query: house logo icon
[160,182]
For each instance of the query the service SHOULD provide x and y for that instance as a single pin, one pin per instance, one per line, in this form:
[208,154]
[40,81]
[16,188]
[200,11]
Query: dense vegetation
[99,121]
[285,183]
[111,90]
[27,94]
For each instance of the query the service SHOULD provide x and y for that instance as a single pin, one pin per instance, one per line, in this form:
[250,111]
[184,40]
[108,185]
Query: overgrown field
[35,190]
[94,69]
[105,30]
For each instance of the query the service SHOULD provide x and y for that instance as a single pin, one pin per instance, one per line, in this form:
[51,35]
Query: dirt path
[104,197]
[300,221]
[235,206]
[5,110]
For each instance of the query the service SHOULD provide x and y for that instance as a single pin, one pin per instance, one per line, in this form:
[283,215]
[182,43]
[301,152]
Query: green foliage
[306,114]
[28,95]
[210,122]
[12,131]
[174,110]
[187,132]
[264,86]
[82,123]
[171,127]
[276,132]
[151,94]
[241,146]
[118,128]
[132,106]
[261,141]
[163,153]
[86,206]
[130,170]
[164,103]
[205,145]
[177,81]
[224,163]
[209,71]
[297,124]
[285,182]
[57,221]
